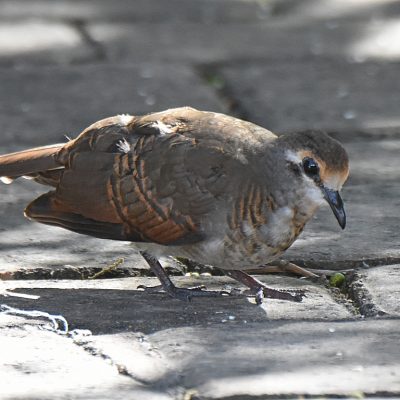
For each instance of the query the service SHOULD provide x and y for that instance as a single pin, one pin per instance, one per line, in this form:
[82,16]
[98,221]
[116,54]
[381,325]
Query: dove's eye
[310,167]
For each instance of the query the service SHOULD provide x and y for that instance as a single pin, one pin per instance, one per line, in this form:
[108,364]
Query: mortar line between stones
[359,294]
[365,395]
[99,51]
[122,369]
[212,77]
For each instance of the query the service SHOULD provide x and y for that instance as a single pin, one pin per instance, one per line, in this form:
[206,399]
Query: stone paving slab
[40,364]
[153,11]
[336,9]
[41,105]
[331,94]
[217,361]
[269,41]
[38,42]
[286,359]
[204,11]
[383,286]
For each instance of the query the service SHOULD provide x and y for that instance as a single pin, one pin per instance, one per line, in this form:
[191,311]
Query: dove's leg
[286,266]
[168,286]
[260,291]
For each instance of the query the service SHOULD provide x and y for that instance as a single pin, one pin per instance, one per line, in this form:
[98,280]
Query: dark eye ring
[310,166]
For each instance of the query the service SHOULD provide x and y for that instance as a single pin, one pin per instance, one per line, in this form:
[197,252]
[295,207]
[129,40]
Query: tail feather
[28,162]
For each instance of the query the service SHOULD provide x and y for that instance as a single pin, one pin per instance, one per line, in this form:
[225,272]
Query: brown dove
[188,183]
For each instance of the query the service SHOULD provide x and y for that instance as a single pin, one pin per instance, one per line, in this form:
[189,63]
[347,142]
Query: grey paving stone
[382,283]
[327,94]
[336,9]
[116,305]
[285,358]
[39,42]
[212,361]
[40,364]
[41,105]
[154,11]
[204,11]
[267,41]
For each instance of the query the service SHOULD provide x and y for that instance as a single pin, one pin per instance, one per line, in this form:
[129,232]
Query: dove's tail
[29,163]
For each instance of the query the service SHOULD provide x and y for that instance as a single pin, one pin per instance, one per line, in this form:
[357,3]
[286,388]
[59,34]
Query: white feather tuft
[125,119]
[163,128]
[124,146]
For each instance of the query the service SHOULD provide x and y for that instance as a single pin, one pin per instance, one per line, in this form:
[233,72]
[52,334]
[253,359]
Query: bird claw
[290,295]
[265,292]
[184,294]
[151,289]
[160,289]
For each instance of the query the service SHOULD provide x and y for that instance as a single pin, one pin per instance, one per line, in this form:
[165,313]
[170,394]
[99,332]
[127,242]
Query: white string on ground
[60,324]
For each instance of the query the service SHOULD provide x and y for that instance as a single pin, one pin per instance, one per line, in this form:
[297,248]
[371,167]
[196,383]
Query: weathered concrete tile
[204,11]
[213,360]
[39,364]
[331,358]
[39,42]
[316,94]
[261,359]
[193,43]
[41,105]
[106,306]
[268,41]
[382,284]
[153,11]
[336,9]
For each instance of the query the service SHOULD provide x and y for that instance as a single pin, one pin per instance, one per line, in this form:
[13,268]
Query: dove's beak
[336,203]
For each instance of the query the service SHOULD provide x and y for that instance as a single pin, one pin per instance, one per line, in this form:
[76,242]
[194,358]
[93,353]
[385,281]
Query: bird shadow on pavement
[105,311]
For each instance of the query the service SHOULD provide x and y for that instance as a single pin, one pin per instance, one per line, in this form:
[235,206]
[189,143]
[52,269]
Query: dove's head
[321,164]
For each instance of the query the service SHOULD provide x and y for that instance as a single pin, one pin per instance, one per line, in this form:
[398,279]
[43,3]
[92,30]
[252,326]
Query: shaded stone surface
[152,11]
[205,11]
[281,358]
[331,94]
[271,41]
[214,361]
[35,110]
[111,306]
